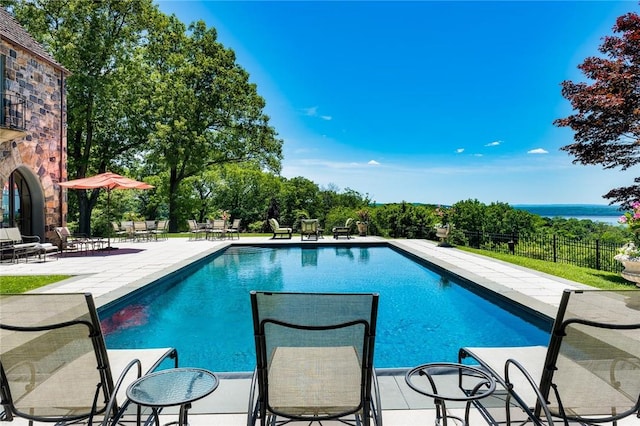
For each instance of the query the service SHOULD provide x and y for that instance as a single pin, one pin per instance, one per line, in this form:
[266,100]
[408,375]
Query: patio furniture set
[141,230]
[216,229]
[311,229]
[314,362]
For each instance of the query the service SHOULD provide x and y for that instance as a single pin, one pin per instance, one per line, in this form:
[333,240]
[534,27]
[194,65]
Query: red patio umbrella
[109,181]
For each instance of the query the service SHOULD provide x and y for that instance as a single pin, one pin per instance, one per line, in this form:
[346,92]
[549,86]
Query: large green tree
[101,43]
[606,118]
[206,111]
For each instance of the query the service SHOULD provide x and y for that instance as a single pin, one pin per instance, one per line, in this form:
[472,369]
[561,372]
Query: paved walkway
[111,274]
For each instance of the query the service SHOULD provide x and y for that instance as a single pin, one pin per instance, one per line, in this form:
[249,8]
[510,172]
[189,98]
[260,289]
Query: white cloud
[459,150]
[494,143]
[538,151]
[311,112]
[373,163]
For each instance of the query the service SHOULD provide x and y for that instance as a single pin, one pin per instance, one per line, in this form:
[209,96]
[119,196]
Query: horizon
[423,102]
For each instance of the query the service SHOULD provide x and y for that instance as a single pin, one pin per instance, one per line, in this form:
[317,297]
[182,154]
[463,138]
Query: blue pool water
[423,316]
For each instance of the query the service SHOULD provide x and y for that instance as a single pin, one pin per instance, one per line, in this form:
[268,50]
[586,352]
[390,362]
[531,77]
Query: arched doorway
[23,203]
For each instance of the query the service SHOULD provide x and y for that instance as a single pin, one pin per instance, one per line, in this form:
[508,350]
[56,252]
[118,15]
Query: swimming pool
[423,316]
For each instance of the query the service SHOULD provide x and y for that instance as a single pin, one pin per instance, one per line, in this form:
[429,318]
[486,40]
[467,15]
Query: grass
[591,277]
[24,283]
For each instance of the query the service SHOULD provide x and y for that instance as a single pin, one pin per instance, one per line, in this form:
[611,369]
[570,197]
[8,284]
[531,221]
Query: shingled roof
[12,32]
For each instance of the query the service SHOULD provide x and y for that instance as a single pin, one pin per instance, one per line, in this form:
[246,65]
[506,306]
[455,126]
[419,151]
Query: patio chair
[234,228]
[314,358]
[217,228]
[195,230]
[343,231]
[282,232]
[70,242]
[54,366]
[589,373]
[119,232]
[161,230]
[140,230]
[309,228]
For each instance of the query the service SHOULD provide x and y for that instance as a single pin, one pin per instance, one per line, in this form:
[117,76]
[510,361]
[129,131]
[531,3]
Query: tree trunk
[84,218]
[173,192]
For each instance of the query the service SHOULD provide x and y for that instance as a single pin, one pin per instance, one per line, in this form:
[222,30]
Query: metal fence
[12,111]
[594,254]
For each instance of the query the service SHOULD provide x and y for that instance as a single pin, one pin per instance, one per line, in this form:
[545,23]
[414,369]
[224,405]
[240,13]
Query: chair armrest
[513,393]
[30,238]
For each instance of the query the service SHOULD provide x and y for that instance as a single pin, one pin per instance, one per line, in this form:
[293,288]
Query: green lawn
[598,279]
[21,284]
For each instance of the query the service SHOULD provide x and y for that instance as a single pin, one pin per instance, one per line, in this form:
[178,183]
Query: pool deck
[110,275]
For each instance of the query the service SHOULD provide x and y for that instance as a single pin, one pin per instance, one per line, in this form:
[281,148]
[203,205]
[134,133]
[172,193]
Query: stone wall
[43,150]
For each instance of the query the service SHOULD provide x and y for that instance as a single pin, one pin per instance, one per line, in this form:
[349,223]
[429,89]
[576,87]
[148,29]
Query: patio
[109,275]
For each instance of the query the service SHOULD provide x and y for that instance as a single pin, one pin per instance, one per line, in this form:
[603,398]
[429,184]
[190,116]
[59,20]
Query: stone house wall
[43,150]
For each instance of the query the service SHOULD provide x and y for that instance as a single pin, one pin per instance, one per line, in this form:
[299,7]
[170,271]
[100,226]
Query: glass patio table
[173,387]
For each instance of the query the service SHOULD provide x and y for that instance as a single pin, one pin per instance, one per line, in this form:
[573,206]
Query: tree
[606,120]
[206,110]
[107,90]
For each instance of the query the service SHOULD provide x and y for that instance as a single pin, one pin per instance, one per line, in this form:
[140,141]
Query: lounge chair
[314,358]
[282,232]
[16,245]
[343,231]
[54,366]
[590,371]
[309,228]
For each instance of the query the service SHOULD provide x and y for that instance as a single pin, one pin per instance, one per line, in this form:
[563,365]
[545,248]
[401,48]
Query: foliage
[607,110]
[629,251]
[631,219]
[206,111]
[106,91]
[363,215]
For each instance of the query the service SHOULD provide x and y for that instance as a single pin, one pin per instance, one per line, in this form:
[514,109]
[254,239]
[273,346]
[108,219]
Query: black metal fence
[593,254]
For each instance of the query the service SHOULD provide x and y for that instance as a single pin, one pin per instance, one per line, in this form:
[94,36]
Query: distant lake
[594,212]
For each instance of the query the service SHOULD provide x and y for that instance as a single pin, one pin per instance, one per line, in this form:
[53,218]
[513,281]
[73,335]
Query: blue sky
[431,102]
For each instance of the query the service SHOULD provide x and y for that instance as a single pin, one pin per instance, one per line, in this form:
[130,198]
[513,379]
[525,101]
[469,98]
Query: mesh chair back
[314,352]
[53,362]
[592,370]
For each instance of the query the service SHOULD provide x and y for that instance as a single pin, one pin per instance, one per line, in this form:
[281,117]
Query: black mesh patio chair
[589,373]
[54,366]
[314,358]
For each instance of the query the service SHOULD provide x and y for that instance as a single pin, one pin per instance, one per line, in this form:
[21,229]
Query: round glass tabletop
[176,386]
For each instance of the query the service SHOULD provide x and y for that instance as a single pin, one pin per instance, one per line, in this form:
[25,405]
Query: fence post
[555,248]
[598,255]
